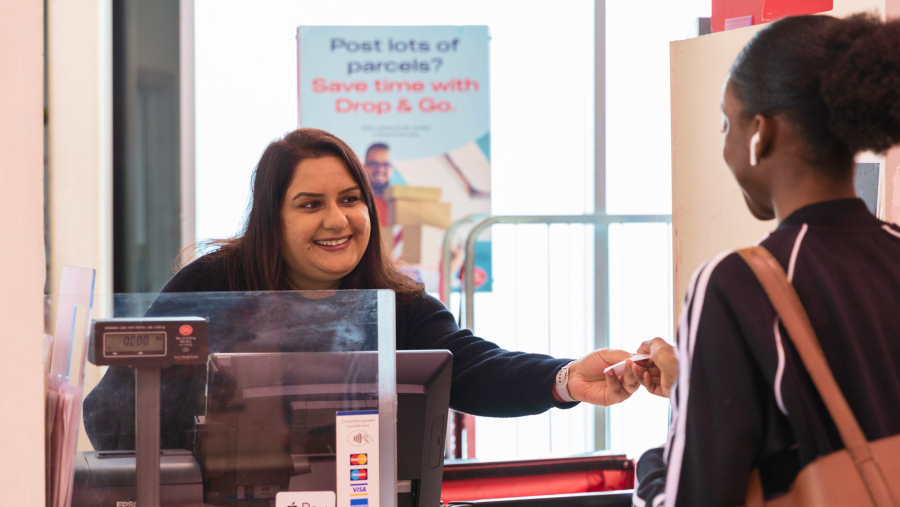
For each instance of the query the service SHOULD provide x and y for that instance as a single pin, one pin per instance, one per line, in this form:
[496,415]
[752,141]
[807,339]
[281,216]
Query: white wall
[79,68]
[22,251]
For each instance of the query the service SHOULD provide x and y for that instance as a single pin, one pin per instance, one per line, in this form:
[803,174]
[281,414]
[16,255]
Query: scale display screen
[116,344]
[149,341]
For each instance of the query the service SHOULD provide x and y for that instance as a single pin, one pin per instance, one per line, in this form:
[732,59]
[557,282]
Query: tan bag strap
[784,298]
[754,491]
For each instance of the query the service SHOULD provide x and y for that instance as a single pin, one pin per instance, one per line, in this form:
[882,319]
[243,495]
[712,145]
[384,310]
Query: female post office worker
[310,228]
[803,97]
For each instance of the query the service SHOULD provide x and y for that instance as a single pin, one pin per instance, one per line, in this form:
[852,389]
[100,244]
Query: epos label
[356,437]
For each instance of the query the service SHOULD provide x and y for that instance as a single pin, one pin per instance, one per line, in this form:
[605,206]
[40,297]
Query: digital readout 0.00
[138,344]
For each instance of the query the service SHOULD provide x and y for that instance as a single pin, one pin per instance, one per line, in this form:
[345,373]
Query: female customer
[804,96]
[310,227]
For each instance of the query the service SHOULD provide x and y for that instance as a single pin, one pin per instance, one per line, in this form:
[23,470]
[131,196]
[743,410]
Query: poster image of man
[382,174]
[379,167]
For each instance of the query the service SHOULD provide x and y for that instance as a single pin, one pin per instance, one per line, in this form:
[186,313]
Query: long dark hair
[837,80]
[254,258]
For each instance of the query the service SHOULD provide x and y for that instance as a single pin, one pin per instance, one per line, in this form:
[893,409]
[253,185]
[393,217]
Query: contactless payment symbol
[359,439]
[358,459]
[359,475]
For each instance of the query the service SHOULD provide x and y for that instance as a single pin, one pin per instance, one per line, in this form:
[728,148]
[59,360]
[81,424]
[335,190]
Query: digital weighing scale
[148,345]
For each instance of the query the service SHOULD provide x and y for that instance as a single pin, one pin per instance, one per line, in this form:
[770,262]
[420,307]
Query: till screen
[135,343]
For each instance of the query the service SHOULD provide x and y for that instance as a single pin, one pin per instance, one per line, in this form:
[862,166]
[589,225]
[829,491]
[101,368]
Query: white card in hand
[619,368]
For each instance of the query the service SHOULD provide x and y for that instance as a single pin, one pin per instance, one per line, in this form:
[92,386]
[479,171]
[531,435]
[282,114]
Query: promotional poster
[413,102]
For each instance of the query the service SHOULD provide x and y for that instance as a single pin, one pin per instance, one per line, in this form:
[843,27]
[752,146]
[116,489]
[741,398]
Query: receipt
[619,368]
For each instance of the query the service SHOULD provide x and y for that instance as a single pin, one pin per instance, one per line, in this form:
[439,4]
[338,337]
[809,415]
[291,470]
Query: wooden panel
[891,193]
[708,210]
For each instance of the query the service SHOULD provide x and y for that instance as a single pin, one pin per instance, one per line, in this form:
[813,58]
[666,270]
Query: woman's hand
[658,373]
[588,383]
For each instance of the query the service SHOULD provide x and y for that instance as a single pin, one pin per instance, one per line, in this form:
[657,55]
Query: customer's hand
[588,383]
[658,373]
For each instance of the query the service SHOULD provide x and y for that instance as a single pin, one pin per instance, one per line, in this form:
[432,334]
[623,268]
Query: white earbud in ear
[753,142]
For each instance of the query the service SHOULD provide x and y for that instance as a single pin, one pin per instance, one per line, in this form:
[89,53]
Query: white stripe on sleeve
[890,231]
[795,251]
[675,446]
[779,347]
[680,337]
[637,501]
[779,373]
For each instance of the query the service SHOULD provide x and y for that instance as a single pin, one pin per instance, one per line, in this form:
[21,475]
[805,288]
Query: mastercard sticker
[358,459]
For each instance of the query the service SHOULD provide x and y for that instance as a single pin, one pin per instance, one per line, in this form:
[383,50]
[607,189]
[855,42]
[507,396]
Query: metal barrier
[446,256]
[467,314]
[482,222]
